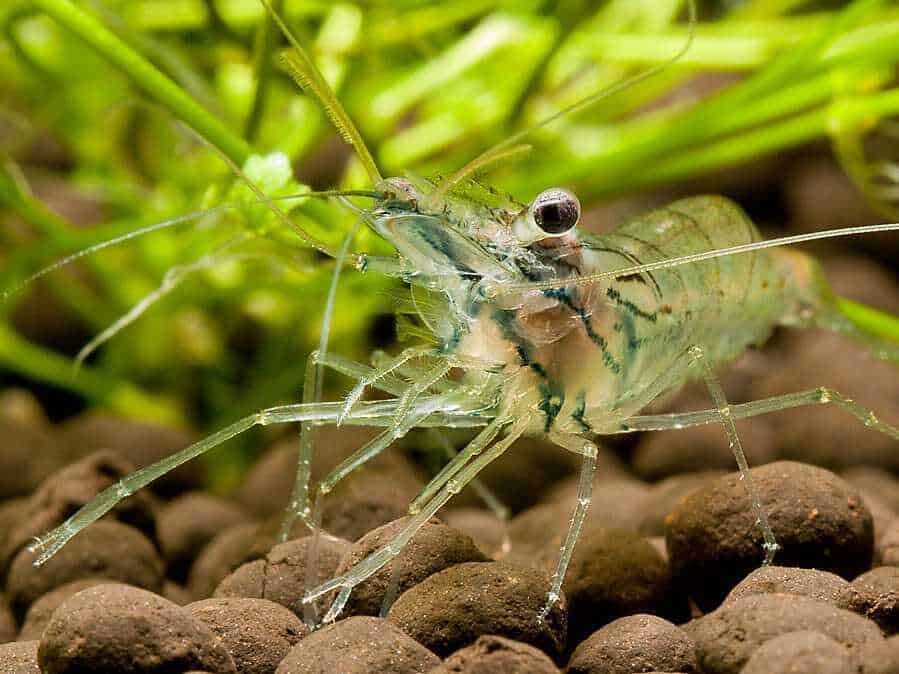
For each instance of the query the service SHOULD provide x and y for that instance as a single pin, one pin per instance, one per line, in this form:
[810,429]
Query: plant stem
[870,320]
[147,77]
[266,39]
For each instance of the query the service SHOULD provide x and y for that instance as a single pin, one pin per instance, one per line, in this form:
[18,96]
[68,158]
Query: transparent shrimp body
[586,357]
[593,329]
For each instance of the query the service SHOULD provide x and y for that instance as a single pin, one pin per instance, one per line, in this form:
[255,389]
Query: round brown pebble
[40,612]
[19,657]
[810,583]
[256,632]
[666,494]
[106,549]
[358,645]
[452,608]
[496,655]
[818,519]
[880,657]
[875,481]
[537,534]
[281,576]
[117,628]
[489,532]
[878,597]
[28,454]
[636,643]
[614,573]
[801,653]
[189,522]
[176,593]
[224,553]
[369,498]
[8,628]
[888,545]
[727,637]
[433,548]
[882,514]
[64,492]
[12,514]
[140,442]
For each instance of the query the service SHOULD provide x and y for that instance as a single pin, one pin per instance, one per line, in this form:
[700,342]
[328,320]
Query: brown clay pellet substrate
[665,577]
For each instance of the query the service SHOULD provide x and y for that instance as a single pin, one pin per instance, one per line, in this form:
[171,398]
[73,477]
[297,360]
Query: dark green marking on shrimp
[578,413]
[563,295]
[629,306]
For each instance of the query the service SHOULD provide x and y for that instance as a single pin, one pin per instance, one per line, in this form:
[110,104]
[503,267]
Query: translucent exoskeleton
[536,328]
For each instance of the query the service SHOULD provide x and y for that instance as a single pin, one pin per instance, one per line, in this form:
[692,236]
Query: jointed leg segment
[299,505]
[725,416]
[376,413]
[384,555]
[817,396]
[588,450]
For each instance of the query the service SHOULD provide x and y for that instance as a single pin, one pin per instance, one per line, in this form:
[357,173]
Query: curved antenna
[502,151]
[303,71]
[172,279]
[173,222]
[90,250]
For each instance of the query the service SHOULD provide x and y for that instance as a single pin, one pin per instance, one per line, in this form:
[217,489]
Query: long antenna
[496,289]
[501,151]
[173,222]
[302,69]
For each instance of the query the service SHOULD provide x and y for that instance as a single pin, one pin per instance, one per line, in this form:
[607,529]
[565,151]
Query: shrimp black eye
[556,211]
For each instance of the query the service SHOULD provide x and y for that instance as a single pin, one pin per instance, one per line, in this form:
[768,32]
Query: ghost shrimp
[578,358]
[527,326]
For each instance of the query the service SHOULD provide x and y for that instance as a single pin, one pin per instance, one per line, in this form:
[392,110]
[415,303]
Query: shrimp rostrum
[531,327]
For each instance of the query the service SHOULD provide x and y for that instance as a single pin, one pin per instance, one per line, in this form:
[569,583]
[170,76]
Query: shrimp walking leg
[374,377]
[376,413]
[490,499]
[356,460]
[299,506]
[361,456]
[378,559]
[477,445]
[725,416]
[588,450]
[755,408]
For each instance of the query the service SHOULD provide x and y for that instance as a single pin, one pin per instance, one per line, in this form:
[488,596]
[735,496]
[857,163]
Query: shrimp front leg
[375,413]
[378,559]
[588,450]
[299,506]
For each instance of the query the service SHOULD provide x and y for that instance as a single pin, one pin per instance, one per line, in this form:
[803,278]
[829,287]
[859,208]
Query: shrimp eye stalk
[555,211]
